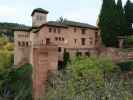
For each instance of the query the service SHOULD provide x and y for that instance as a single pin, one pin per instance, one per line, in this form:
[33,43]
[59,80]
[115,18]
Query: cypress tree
[121,20]
[107,23]
[129,15]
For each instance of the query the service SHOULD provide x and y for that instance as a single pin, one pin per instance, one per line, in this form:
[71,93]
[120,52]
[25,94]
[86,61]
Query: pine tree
[107,23]
[121,20]
[129,15]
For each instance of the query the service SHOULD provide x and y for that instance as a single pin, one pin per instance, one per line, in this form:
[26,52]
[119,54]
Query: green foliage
[78,54]
[66,58]
[5,59]
[128,41]
[129,15]
[126,66]
[84,80]
[121,19]
[18,84]
[108,23]
[15,84]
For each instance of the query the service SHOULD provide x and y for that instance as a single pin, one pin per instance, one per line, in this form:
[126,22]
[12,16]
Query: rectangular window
[50,29]
[47,41]
[56,38]
[59,30]
[19,43]
[59,49]
[83,31]
[62,39]
[83,41]
[75,40]
[54,30]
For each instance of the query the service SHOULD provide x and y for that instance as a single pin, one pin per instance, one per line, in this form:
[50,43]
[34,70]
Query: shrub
[126,66]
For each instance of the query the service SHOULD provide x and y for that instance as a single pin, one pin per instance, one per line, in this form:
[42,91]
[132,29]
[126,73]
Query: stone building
[43,44]
[69,35]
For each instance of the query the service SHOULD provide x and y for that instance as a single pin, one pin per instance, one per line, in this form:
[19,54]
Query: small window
[87,54]
[83,31]
[75,41]
[62,39]
[50,29]
[19,43]
[91,42]
[23,43]
[75,29]
[59,49]
[56,38]
[27,44]
[59,30]
[47,41]
[59,38]
[83,41]
[54,30]
[78,54]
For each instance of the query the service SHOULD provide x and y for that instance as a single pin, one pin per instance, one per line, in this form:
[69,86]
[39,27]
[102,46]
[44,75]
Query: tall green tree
[129,15]
[121,20]
[108,23]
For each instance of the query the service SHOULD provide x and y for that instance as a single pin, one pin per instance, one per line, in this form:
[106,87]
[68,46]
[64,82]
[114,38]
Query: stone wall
[44,61]
[117,55]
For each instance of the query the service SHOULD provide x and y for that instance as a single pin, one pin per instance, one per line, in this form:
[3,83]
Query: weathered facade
[43,45]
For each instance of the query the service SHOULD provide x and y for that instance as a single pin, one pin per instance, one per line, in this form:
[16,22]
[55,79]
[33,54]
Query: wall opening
[60,65]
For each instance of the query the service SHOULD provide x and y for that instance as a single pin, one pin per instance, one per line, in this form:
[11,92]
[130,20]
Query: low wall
[117,55]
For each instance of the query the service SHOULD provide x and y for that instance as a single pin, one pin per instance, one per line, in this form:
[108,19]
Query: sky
[19,11]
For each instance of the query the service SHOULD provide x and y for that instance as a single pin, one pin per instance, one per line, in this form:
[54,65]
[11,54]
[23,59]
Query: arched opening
[60,65]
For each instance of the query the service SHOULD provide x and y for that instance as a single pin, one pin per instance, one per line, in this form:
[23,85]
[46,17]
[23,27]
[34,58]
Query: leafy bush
[128,41]
[18,84]
[126,66]
[87,79]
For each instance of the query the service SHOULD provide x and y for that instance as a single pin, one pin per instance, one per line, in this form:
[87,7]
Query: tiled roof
[68,23]
[65,24]
[55,23]
[78,24]
[22,28]
[39,10]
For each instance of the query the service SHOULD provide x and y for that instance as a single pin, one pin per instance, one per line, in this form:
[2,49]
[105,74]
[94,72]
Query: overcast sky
[19,11]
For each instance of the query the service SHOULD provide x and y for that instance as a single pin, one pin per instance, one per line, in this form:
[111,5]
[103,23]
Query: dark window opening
[60,65]
[27,44]
[47,41]
[91,42]
[78,54]
[19,43]
[59,49]
[59,30]
[75,40]
[23,43]
[56,38]
[60,38]
[54,30]
[83,31]
[87,54]
[50,29]
[83,41]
